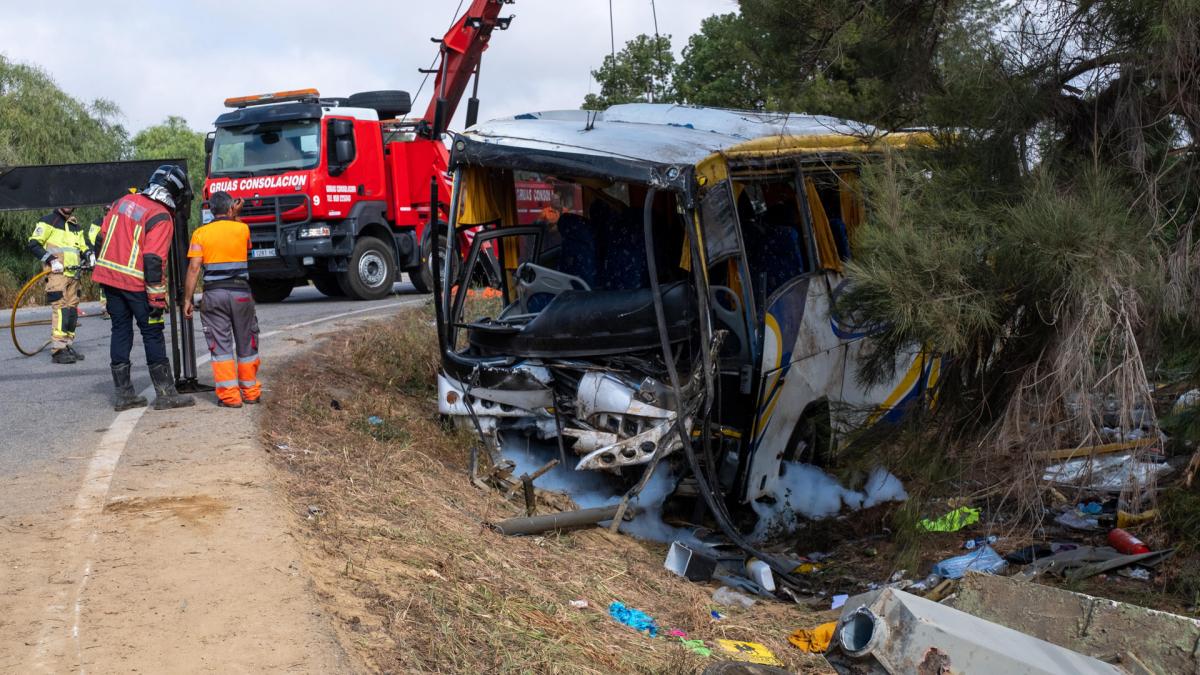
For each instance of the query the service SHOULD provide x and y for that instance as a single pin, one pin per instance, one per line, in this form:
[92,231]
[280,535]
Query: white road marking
[93,494]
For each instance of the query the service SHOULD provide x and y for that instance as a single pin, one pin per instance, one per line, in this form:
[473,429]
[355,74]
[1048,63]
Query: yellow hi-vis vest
[62,237]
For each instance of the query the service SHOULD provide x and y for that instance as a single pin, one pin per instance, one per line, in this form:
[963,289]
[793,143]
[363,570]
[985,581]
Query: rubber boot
[62,356]
[164,389]
[126,398]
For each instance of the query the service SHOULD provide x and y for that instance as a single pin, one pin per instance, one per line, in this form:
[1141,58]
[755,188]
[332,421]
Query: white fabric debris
[1111,473]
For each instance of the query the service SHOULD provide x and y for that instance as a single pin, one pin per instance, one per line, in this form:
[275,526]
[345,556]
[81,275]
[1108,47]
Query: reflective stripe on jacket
[136,239]
[61,237]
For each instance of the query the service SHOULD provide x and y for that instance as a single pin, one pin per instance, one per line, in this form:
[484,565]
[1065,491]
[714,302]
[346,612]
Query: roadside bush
[1035,300]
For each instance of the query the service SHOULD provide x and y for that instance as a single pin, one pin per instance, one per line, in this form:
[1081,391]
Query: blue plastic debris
[634,618]
[984,559]
[374,420]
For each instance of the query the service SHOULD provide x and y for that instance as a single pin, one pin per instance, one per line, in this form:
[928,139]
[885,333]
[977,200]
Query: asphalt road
[50,412]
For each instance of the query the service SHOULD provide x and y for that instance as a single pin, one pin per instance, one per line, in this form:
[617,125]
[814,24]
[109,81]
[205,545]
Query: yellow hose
[13,325]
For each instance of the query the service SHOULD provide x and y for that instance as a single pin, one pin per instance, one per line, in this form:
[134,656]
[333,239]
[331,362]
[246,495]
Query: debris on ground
[971,544]
[1082,562]
[815,640]
[728,597]
[634,618]
[1125,542]
[751,652]
[688,563]
[1106,473]
[984,559]
[696,647]
[952,521]
[1097,627]
[898,632]
[760,573]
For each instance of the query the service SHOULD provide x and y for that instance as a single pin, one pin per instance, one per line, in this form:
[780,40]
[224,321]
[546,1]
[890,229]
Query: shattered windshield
[259,149]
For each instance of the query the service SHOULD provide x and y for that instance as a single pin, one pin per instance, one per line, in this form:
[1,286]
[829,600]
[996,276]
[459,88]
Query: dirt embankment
[397,538]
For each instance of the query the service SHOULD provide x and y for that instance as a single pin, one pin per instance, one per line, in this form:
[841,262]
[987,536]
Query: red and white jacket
[137,235]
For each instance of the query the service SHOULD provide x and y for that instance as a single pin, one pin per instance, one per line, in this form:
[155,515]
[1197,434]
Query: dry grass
[400,550]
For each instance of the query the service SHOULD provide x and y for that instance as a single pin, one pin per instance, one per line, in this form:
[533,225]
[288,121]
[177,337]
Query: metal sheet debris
[1099,627]
[898,632]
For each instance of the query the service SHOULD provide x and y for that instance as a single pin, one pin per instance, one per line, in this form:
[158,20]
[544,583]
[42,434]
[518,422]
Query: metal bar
[530,499]
[559,521]
[1067,454]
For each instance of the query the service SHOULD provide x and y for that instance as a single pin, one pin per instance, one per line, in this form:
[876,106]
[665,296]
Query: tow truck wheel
[422,278]
[371,271]
[328,284]
[270,290]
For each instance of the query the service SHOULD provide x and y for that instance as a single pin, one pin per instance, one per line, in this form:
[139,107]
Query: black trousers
[124,308]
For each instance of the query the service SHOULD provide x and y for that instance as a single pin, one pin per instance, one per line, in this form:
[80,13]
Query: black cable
[612,33]
[716,506]
[657,49]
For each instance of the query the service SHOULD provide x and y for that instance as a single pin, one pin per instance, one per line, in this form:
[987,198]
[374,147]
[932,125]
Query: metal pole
[185,354]
[176,313]
[560,521]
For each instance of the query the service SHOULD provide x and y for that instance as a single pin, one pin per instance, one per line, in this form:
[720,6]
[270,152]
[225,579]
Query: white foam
[806,491]
[591,489]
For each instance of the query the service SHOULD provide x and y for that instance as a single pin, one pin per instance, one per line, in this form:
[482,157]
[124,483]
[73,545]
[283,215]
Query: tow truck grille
[266,206]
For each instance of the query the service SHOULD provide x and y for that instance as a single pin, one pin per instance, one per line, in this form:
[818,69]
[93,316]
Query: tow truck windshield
[261,149]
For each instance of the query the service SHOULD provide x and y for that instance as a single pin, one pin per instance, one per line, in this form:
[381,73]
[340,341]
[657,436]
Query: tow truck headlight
[311,232]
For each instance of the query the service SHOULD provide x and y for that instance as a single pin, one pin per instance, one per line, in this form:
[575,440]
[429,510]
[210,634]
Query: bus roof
[640,141]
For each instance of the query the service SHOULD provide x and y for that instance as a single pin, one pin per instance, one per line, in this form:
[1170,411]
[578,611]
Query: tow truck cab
[333,194]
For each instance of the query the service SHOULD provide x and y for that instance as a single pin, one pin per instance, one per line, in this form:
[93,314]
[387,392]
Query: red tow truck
[338,190]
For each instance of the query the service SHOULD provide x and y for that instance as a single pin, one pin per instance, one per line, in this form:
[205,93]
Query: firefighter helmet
[169,185]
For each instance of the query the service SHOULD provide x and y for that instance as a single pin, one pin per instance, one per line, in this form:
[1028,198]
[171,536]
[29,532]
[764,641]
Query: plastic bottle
[1126,543]
[970,544]
[731,598]
[760,572]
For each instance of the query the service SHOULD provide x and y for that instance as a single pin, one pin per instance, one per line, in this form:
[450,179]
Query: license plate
[263,253]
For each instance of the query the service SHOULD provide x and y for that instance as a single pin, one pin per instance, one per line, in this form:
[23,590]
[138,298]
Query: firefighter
[226,308]
[94,240]
[61,244]
[132,270]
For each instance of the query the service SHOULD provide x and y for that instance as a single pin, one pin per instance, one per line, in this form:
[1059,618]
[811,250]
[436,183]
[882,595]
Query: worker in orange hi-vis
[226,308]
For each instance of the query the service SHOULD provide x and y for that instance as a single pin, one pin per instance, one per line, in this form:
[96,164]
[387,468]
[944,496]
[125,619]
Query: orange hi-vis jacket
[137,235]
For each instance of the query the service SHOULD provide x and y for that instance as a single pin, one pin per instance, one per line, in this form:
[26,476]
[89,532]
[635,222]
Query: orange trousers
[231,329]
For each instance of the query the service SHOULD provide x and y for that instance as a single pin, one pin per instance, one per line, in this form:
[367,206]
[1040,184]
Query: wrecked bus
[682,297]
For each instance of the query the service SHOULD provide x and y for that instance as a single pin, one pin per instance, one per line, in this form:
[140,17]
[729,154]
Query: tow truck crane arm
[461,49]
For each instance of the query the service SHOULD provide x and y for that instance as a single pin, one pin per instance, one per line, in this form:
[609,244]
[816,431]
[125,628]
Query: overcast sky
[156,59]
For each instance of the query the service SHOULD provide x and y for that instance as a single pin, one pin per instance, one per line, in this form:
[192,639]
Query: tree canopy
[42,124]
[640,73]
[174,139]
